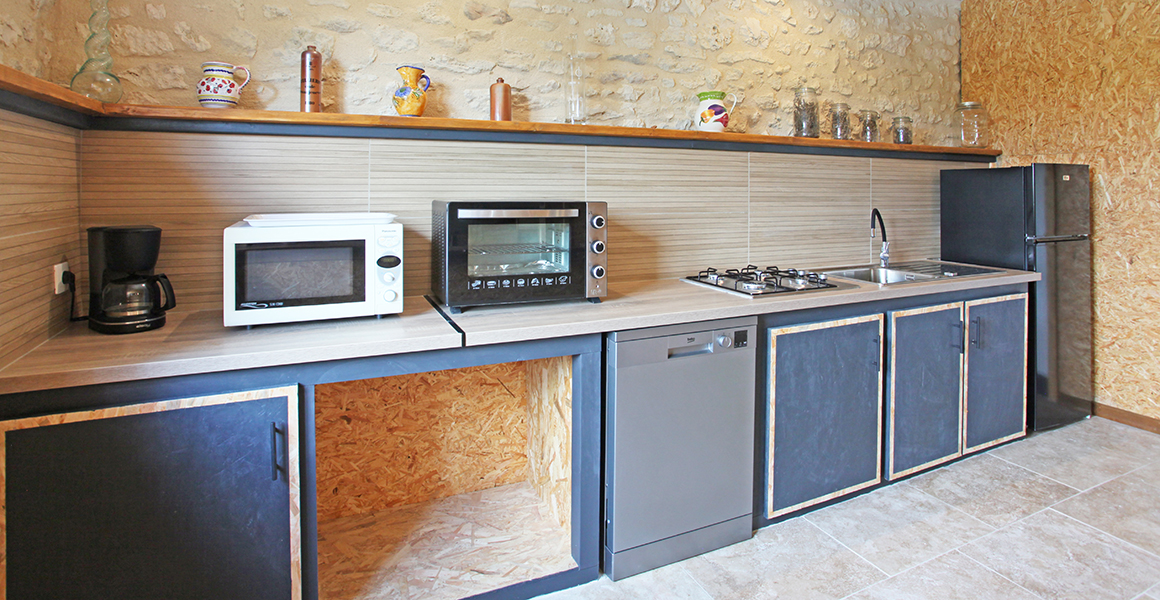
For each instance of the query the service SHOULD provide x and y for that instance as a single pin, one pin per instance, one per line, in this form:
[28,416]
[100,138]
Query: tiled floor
[1068,514]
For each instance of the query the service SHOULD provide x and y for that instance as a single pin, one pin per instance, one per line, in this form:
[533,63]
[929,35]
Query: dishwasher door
[679,456]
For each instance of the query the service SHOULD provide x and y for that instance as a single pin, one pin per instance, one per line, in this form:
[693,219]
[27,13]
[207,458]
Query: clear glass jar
[902,131]
[840,121]
[805,112]
[869,129]
[973,123]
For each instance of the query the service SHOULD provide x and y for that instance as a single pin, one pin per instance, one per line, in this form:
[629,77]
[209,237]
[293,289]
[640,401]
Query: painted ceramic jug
[711,112]
[219,87]
[410,100]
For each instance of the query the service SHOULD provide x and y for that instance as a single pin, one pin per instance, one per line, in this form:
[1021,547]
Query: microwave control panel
[388,289]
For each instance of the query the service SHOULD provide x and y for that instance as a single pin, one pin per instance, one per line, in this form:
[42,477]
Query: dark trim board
[30,107]
[1132,419]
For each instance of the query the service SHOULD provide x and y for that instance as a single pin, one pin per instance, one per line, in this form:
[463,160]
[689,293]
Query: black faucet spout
[875,215]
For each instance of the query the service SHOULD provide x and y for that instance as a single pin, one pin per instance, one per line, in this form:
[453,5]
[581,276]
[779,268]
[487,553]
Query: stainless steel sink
[880,275]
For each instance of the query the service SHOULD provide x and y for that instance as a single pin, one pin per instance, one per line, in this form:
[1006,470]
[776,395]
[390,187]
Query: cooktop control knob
[598,272]
[598,247]
[725,341]
[598,221]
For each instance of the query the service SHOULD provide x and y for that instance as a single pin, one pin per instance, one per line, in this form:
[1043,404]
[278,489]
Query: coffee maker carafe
[124,294]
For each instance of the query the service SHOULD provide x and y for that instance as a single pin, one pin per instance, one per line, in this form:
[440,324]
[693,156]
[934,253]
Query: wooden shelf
[26,85]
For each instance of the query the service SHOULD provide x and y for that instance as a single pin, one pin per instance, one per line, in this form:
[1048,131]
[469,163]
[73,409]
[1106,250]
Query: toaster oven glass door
[300,273]
[498,256]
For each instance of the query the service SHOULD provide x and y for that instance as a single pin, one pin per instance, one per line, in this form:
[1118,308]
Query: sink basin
[880,275]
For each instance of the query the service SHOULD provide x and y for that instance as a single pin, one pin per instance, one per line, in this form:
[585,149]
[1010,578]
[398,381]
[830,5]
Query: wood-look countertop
[197,342]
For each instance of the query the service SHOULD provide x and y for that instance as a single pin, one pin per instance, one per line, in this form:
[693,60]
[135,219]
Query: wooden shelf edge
[24,84]
[33,87]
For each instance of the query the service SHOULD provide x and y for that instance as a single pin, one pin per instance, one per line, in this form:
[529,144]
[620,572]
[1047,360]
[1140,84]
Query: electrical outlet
[58,277]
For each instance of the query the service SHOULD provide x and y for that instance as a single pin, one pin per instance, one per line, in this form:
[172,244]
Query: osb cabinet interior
[463,472]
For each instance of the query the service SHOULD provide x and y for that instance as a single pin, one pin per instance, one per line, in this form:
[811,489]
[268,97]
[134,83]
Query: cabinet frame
[292,454]
[891,474]
[1024,296]
[771,390]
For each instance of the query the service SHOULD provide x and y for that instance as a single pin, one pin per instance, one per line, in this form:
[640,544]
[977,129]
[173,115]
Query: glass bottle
[95,78]
[575,103]
[805,112]
[869,130]
[973,121]
[840,121]
[902,131]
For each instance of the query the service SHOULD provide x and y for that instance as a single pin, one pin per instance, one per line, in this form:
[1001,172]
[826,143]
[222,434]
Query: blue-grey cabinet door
[924,395]
[182,499]
[995,399]
[825,412]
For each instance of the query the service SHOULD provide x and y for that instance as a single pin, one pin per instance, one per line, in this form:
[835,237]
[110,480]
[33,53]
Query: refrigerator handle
[1056,238]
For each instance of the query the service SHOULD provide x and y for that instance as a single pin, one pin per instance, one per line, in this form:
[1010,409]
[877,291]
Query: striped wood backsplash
[672,211]
[38,228]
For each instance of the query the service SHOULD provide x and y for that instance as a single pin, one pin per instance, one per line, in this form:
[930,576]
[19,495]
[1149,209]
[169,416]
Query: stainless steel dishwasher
[679,442]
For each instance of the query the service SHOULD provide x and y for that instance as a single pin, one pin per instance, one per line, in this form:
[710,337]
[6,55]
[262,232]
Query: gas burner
[755,281]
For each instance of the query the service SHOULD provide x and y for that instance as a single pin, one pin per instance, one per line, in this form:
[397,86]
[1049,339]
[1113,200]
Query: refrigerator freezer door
[1062,348]
[983,217]
[1062,196]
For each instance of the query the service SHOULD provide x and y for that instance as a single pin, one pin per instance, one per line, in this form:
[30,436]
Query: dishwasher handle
[695,350]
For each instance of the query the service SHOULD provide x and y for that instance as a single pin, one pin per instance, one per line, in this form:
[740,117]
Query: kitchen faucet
[884,256]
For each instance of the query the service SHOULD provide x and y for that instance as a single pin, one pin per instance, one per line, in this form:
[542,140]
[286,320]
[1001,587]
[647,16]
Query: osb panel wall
[1075,82]
[670,210]
[550,434]
[38,228]
[399,440]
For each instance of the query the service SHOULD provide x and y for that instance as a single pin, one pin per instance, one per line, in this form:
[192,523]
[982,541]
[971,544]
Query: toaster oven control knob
[598,221]
[598,272]
[388,278]
[598,247]
[389,262]
[390,295]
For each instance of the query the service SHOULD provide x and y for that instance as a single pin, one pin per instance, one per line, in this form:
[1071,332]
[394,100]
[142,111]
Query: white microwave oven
[282,268]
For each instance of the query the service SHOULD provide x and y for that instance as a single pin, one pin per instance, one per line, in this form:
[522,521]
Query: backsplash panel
[907,194]
[38,228]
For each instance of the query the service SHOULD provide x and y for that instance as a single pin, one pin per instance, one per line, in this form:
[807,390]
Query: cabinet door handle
[959,342]
[977,332]
[274,466]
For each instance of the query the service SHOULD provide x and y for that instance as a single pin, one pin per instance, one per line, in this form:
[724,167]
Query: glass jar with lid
[902,131]
[805,112]
[973,123]
[840,121]
[869,129]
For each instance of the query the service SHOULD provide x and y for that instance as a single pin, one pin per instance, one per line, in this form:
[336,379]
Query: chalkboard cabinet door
[924,393]
[995,396]
[182,499]
[825,412]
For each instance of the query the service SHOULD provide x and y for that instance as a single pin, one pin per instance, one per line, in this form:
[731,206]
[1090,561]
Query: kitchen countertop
[197,342]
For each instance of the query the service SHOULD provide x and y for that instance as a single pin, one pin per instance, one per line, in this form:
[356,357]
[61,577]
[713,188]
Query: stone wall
[643,60]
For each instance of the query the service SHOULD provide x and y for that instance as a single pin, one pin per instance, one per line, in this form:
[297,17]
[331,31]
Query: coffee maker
[124,294]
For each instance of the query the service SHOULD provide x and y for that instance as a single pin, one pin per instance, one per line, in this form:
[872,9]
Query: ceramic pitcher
[711,112]
[219,87]
[410,99]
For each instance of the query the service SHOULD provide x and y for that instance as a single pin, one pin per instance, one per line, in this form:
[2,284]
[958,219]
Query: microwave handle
[522,213]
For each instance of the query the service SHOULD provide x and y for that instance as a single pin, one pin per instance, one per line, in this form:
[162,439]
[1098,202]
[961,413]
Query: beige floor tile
[1085,454]
[791,559]
[1153,594]
[1127,507]
[899,526]
[1058,557]
[1149,473]
[992,490]
[952,576]
[671,583]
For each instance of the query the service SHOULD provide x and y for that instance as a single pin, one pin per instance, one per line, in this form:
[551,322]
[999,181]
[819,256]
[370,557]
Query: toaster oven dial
[598,247]
[598,221]
[598,272]
[388,277]
[390,295]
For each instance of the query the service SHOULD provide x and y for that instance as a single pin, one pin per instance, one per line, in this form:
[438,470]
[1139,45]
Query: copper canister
[501,101]
[311,81]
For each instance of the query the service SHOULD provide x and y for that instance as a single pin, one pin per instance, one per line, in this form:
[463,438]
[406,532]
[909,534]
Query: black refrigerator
[1035,218]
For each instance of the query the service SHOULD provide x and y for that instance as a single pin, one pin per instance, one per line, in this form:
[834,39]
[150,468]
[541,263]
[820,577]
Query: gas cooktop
[754,281]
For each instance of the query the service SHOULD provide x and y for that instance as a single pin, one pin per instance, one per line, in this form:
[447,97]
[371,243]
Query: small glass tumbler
[869,130]
[902,131]
[805,112]
[840,121]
